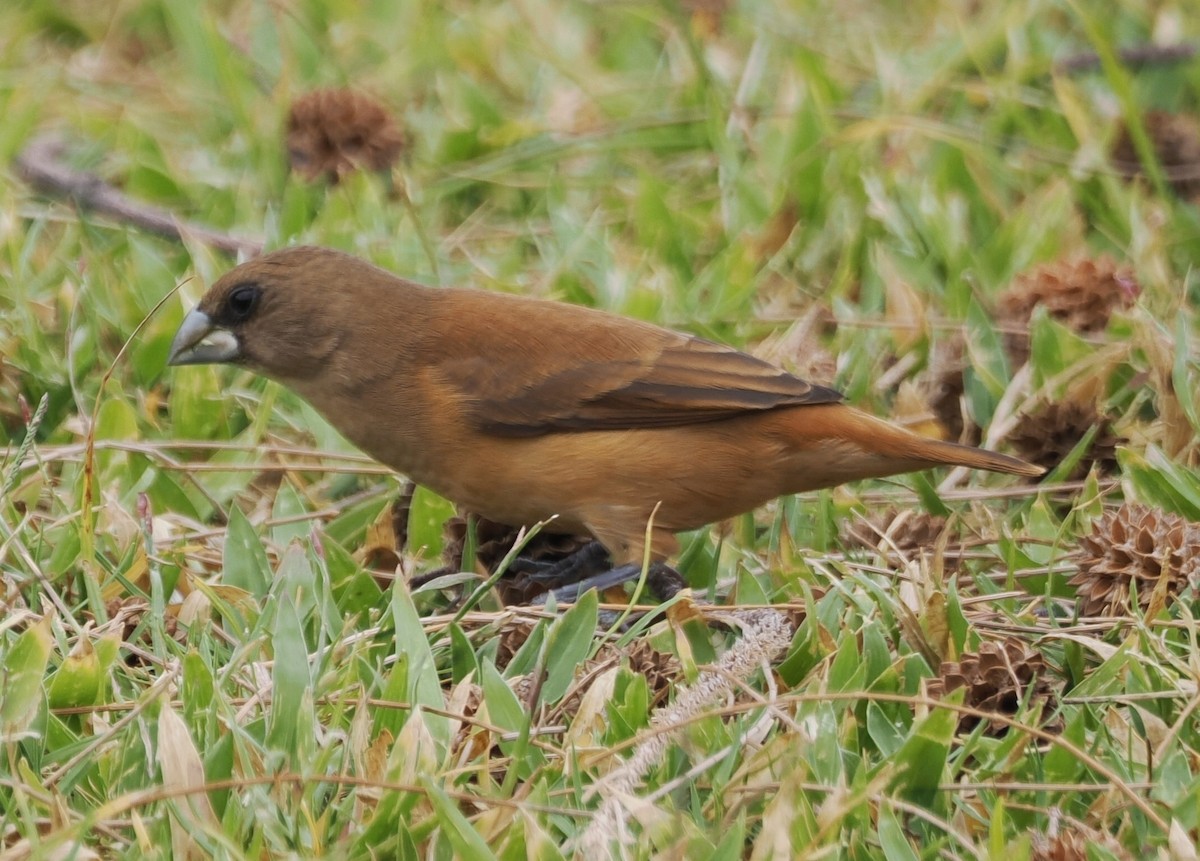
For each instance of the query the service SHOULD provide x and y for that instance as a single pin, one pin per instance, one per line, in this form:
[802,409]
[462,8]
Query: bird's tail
[887,449]
[955,454]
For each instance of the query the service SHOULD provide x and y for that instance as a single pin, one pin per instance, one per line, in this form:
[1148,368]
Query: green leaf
[349,527]
[24,667]
[197,403]
[629,709]
[353,589]
[892,838]
[78,681]
[887,736]
[526,658]
[245,561]
[425,688]
[296,581]
[1183,382]
[467,842]
[1063,766]
[395,690]
[197,689]
[116,420]
[847,672]
[504,709]
[462,655]
[877,657]
[291,681]
[931,500]
[426,517]
[1161,482]
[749,590]
[922,759]
[288,512]
[568,645]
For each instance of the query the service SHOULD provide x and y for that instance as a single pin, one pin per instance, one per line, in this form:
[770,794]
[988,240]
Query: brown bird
[522,409]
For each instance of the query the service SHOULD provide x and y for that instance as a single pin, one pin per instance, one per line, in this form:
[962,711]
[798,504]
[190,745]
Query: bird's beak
[199,342]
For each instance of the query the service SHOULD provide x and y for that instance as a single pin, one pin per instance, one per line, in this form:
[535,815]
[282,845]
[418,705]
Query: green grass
[264,696]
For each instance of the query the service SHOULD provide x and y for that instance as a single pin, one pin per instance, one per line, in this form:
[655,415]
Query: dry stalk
[41,165]
[765,634]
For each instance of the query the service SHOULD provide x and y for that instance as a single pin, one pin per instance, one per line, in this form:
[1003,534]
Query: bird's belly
[692,476]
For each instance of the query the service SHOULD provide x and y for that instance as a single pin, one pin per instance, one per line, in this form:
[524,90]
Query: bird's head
[279,315]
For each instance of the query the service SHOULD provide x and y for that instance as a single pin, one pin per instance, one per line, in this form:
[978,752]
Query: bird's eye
[242,301]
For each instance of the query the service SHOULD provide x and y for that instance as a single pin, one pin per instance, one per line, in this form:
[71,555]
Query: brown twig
[1136,57]
[41,165]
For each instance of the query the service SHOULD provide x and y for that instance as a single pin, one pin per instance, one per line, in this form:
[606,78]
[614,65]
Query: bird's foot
[663,582]
[587,561]
[568,578]
[419,580]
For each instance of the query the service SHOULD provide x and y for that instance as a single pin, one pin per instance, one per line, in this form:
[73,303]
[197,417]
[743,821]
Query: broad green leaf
[1053,348]
[245,560]
[931,500]
[289,511]
[1183,376]
[892,838]
[847,672]
[24,667]
[296,580]
[504,709]
[1161,482]
[922,758]
[568,644]
[395,690]
[197,404]
[887,736]
[198,688]
[467,842]
[749,590]
[291,681]
[116,420]
[79,679]
[350,525]
[425,687]
[877,657]
[426,517]
[354,590]
[462,655]
[526,658]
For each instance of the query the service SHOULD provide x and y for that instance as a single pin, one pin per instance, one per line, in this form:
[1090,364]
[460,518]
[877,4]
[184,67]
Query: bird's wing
[665,380]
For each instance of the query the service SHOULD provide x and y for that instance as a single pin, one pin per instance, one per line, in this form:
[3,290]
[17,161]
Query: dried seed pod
[945,386]
[1135,544]
[660,669]
[998,678]
[906,531]
[1048,433]
[1082,294]
[1071,844]
[708,16]
[512,638]
[1176,142]
[334,132]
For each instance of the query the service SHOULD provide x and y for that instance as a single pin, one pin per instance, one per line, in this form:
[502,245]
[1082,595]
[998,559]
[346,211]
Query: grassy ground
[196,662]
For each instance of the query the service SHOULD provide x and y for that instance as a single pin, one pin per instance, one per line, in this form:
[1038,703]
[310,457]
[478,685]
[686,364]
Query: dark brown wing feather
[683,381]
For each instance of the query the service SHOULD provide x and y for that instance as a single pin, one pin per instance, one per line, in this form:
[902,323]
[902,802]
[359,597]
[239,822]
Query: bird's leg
[586,561]
[419,580]
[663,581]
[582,570]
